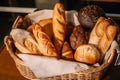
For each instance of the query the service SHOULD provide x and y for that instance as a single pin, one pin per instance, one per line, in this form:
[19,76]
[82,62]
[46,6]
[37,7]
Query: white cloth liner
[47,66]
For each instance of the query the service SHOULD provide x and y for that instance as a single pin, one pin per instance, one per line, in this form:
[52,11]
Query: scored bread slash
[32,45]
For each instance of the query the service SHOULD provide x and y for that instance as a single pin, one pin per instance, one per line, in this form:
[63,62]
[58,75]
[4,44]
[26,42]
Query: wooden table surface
[8,70]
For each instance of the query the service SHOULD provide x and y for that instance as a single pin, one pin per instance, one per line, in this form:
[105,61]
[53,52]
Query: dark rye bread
[89,14]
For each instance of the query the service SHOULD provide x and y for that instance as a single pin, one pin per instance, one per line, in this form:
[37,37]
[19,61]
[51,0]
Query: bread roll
[45,44]
[59,25]
[87,54]
[67,52]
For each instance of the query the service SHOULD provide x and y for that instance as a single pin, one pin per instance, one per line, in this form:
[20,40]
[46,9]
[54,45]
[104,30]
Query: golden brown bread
[31,45]
[67,52]
[59,25]
[46,25]
[20,47]
[43,22]
[87,54]
[45,44]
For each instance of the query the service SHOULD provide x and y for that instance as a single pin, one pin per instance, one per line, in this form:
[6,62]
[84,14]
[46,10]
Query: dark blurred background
[7,18]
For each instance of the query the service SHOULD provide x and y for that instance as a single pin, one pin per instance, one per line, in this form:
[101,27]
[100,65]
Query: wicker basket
[89,74]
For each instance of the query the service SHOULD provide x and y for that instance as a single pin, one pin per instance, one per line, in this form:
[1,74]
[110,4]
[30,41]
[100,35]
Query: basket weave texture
[89,74]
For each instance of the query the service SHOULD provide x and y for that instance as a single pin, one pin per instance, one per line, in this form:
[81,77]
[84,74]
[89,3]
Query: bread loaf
[45,44]
[59,25]
[107,38]
[31,45]
[24,42]
[87,54]
[103,34]
[98,30]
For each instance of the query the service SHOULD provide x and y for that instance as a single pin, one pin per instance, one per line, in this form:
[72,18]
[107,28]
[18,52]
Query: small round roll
[87,53]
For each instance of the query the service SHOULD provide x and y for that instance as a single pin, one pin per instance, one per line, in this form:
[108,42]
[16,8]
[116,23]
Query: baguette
[59,25]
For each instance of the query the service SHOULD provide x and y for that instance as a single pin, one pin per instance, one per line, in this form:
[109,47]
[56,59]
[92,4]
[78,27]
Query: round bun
[89,14]
[87,54]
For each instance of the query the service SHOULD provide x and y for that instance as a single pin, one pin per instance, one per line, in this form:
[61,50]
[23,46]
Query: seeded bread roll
[89,14]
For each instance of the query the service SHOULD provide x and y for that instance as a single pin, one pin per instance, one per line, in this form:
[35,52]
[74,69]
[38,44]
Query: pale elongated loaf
[59,25]
[45,44]
[107,38]
[103,34]
[98,30]
[24,42]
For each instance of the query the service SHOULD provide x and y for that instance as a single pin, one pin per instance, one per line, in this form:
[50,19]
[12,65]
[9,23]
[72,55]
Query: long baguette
[59,25]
